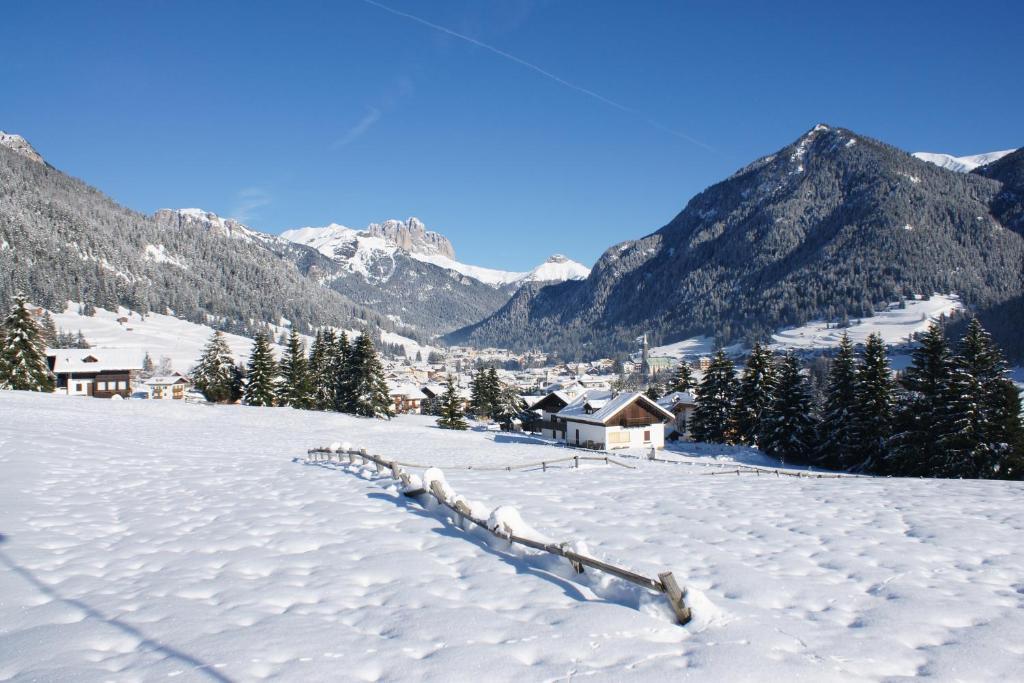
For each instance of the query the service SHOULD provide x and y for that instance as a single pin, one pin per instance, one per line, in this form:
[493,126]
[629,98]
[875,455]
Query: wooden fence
[665,583]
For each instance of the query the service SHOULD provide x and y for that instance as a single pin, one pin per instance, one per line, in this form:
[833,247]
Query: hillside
[61,240]
[155,539]
[833,225]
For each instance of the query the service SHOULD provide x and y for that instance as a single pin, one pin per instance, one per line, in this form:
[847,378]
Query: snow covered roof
[599,407]
[164,380]
[675,398]
[95,360]
[408,390]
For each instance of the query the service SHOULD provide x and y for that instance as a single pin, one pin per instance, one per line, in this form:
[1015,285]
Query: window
[618,437]
[122,385]
[647,436]
[78,387]
[101,386]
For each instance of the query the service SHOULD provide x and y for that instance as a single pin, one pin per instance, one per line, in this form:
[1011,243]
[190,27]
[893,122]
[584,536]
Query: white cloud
[371,117]
[248,201]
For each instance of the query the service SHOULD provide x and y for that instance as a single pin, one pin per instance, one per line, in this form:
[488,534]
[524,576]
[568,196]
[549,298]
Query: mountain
[961,164]
[835,224]
[61,240]
[410,274]
[21,146]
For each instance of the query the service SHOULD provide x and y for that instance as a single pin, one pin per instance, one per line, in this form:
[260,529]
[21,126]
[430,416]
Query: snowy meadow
[144,540]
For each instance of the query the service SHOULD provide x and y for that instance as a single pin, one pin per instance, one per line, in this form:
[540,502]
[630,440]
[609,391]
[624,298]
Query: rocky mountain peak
[20,145]
[412,236]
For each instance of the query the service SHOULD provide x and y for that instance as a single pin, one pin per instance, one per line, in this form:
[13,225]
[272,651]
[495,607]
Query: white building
[168,387]
[681,404]
[603,420]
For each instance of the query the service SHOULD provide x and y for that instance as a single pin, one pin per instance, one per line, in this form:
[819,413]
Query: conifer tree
[682,379]
[977,445]
[478,393]
[214,374]
[343,376]
[261,388]
[369,391]
[789,426]
[450,410]
[654,391]
[321,370]
[716,396]
[23,365]
[148,366]
[294,389]
[508,404]
[925,420]
[837,441]
[493,390]
[1012,429]
[48,329]
[875,397]
[754,395]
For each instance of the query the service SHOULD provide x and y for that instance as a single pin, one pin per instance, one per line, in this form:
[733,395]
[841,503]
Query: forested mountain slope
[832,225]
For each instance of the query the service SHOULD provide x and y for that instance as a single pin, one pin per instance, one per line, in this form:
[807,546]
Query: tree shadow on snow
[145,642]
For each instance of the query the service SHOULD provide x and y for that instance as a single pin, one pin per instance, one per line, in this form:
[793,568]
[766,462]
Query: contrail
[542,72]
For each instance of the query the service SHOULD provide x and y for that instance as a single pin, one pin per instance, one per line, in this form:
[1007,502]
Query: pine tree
[837,444]
[754,396]
[451,416]
[875,398]
[23,365]
[370,391]
[789,426]
[925,419]
[682,379]
[321,370]
[654,391]
[716,396]
[1012,431]
[508,404]
[492,389]
[214,374]
[978,443]
[148,366]
[261,388]
[48,329]
[344,376]
[478,402]
[294,389]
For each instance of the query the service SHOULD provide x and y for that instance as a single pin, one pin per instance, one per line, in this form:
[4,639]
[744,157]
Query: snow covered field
[895,324]
[147,540]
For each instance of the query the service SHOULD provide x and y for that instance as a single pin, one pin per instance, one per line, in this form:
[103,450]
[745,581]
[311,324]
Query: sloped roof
[599,406]
[675,398]
[167,379]
[75,360]
[410,391]
[552,397]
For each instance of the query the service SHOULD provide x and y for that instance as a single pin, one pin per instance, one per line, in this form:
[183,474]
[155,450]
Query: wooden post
[577,459]
[544,466]
[675,598]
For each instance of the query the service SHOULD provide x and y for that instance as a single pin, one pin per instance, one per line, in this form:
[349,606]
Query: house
[102,373]
[546,409]
[602,419]
[681,404]
[407,398]
[171,386]
[432,393]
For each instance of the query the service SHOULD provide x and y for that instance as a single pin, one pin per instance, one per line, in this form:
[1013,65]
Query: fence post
[577,459]
[675,597]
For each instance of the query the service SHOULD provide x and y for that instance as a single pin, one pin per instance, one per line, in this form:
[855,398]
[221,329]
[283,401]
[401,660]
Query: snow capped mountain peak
[226,227]
[557,268]
[962,164]
[412,236]
[20,145]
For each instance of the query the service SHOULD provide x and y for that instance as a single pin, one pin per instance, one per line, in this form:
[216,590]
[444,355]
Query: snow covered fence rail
[499,524]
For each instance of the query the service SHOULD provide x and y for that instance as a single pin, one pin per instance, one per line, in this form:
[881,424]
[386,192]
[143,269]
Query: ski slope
[148,540]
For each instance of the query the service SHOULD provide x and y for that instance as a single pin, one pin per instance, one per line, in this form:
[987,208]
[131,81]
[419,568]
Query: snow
[964,164]
[158,254]
[896,326]
[145,541]
[160,335]
[359,249]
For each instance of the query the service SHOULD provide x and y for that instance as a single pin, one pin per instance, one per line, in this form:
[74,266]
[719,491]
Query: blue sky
[557,126]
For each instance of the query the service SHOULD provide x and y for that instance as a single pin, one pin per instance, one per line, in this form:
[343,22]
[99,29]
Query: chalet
[547,408]
[102,373]
[604,420]
[171,387]
[681,404]
[407,398]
